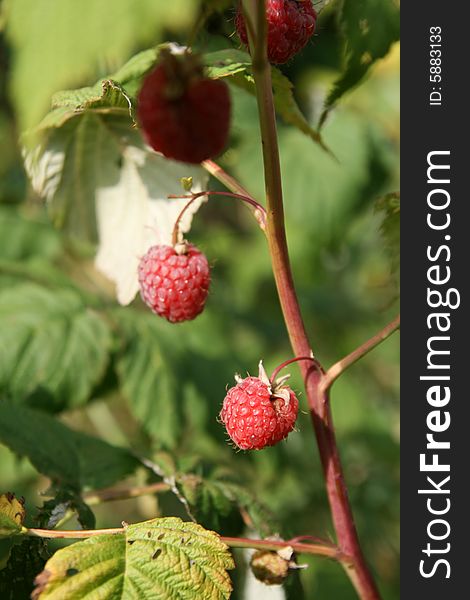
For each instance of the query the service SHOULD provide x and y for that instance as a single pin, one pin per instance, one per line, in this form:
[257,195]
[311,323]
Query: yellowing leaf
[161,558]
[135,213]
[12,513]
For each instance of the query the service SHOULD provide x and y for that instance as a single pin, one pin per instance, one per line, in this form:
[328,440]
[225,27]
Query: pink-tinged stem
[258,211]
[278,369]
[357,570]
[338,368]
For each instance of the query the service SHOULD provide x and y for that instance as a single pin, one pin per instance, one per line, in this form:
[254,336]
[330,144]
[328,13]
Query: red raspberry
[174,285]
[291,24]
[183,114]
[257,414]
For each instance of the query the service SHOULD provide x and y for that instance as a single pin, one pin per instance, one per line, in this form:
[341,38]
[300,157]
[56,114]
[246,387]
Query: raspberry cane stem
[343,520]
[258,211]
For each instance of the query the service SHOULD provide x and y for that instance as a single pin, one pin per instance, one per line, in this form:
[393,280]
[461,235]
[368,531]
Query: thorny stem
[317,549]
[338,368]
[258,211]
[343,521]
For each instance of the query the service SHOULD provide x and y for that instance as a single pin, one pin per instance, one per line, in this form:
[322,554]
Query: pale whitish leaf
[161,558]
[135,213]
[53,348]
[102,182]
[64,455]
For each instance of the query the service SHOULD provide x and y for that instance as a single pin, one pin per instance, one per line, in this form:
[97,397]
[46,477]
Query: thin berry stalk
[357,570]
[258,211]
[325,549]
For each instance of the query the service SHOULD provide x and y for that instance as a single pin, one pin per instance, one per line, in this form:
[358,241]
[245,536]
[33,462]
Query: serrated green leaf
[369,28]
[235,65]
[147,376]
[56,46]
[161,558]
[217,501]
[225,63]
[60,453]
[23,239]
[53,348]
[106,95]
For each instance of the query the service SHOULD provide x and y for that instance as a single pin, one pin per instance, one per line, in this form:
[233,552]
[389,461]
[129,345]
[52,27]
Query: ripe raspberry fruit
[291,24]
[184,114]
[258,413]
[174,283]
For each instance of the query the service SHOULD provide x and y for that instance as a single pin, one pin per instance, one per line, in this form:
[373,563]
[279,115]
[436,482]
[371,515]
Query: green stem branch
[338,368]
[315,549]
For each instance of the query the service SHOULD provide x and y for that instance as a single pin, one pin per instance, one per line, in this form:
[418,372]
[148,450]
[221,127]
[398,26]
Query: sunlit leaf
[53,347]
[162,558]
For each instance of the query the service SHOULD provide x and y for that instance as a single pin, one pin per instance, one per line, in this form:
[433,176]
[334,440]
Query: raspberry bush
[135,282]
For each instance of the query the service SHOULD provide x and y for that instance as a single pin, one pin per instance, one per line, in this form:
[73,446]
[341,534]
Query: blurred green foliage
[124,376]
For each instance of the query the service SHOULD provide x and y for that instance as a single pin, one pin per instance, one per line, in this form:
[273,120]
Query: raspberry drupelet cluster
[257,412]
[174,281]
[291,23]
[184,114]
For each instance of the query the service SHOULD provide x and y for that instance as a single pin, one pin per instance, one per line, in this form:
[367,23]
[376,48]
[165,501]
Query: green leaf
[369,28]
[53,348]
[56,46]
[389,206]
[322,192]
[161,558]
[235,65]
[25,239]
[65,499]
[216,499]
[148,377]
[60,453]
